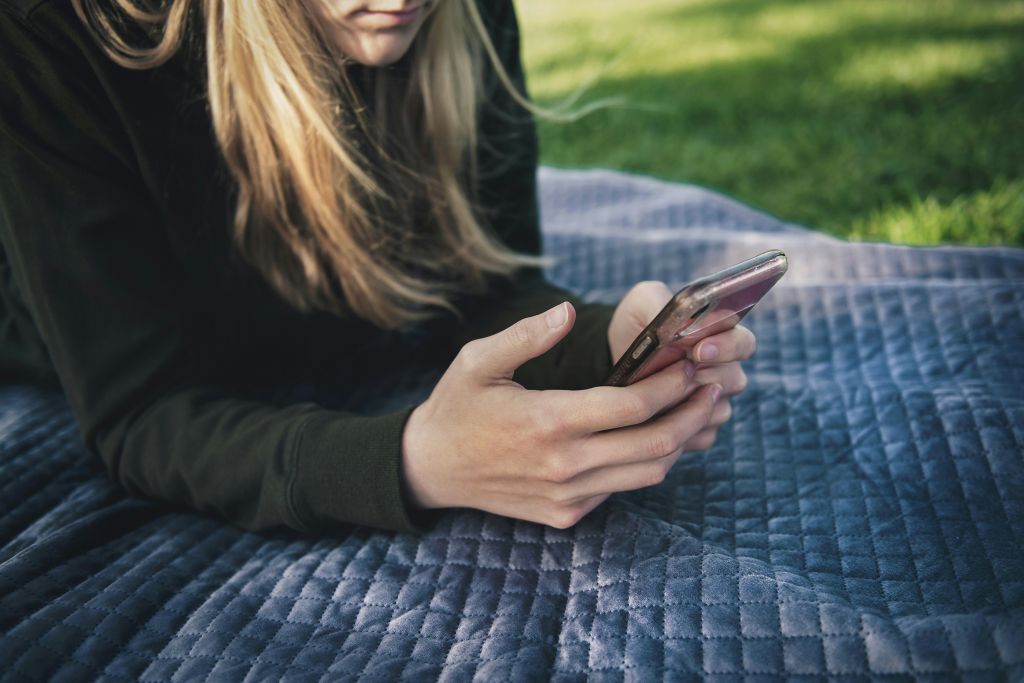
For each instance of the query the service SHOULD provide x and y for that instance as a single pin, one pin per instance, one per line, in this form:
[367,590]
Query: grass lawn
[896,120]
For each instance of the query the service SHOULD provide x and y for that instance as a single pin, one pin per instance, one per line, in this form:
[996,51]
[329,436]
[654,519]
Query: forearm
[261,467]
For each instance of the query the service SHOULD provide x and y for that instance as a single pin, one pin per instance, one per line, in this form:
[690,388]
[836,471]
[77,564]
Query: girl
[207,205]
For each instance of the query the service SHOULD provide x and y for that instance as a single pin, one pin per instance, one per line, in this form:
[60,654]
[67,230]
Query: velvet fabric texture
[861,516]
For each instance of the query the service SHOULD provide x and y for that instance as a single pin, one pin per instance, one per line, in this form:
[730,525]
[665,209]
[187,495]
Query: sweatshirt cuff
[348,469]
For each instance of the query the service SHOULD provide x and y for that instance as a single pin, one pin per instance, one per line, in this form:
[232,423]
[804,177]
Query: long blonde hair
[327,197]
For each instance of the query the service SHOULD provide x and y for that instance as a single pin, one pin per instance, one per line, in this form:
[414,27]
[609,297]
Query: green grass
[896,120]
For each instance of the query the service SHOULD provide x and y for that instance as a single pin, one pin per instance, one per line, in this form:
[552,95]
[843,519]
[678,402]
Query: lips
[389,18]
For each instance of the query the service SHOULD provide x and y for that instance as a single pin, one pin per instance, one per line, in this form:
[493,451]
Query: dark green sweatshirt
[119,283]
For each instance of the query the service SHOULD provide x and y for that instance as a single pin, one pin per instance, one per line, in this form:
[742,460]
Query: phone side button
[639,351]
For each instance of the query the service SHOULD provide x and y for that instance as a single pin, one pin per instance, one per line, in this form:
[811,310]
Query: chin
[380,52]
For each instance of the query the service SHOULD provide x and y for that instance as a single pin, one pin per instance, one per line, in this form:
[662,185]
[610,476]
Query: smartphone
[702,308]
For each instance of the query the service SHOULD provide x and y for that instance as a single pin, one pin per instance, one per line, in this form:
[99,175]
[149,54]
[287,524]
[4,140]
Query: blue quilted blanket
[862,516]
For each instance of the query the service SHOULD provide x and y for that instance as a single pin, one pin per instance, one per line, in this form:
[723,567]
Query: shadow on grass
[792,132]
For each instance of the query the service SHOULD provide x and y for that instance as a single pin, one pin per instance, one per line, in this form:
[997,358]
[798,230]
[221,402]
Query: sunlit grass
[931,220]
[899,120]
[923,65]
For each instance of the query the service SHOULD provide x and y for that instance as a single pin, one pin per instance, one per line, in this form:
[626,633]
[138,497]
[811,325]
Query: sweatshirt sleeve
[89,255]
[507,162]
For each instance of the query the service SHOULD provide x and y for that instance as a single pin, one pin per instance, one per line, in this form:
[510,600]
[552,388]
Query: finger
[498,356]
[602,408]
[721,414]
[736,344]
[661,437]
[634,475]
[704,440]
[560,514]
[647,299]
[569,514]
[628,477]
[730,375]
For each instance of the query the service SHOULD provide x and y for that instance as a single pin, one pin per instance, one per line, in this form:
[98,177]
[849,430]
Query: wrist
[416,469]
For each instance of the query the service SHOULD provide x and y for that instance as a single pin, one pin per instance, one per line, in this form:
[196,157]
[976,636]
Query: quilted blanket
[861,517]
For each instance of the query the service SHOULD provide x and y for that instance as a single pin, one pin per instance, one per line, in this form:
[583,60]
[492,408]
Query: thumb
[498,356]
[648,300]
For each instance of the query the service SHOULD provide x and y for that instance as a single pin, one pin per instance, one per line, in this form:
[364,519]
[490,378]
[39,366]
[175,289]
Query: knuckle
[661,444]
[741,382]
[726,411]
[560,495]
[556,493]
[558,470]
[722,414]
[556,522]
[563,517]
[635,408]
[550,423]
[470,356]
[746,341]
[654,475]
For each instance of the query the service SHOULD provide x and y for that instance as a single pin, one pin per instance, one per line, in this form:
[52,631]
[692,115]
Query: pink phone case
[702,308]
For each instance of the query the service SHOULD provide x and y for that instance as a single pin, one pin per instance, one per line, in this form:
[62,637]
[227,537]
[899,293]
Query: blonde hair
[383,208]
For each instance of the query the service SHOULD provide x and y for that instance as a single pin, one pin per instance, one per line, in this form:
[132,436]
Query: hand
[721,366]
[483,441]
[634,312]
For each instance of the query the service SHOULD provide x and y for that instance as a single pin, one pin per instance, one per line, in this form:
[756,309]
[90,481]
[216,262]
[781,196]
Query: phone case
[702,308]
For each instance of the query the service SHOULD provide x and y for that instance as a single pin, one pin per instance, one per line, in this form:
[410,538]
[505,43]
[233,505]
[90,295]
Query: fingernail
[708,352]
[716,391]
[557,316]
